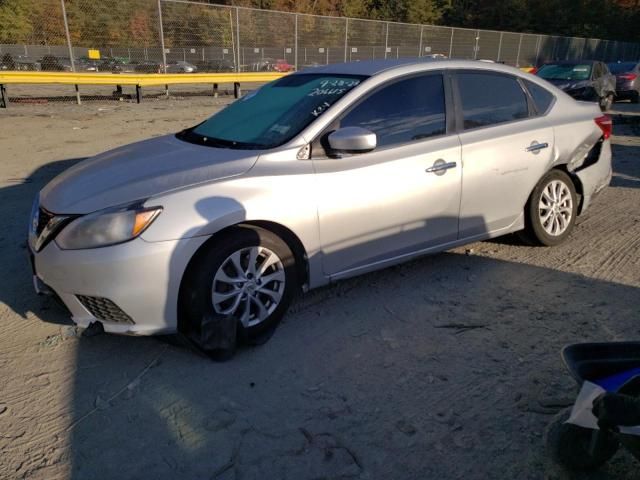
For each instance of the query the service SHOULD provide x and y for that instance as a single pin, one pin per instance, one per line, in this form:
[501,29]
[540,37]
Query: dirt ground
[446,367]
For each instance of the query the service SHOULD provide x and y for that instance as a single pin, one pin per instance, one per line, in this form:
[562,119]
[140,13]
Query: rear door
[506,148]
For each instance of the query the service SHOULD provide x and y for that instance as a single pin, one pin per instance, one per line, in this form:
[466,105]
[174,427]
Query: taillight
[606,125]
[533,71]
[628,76]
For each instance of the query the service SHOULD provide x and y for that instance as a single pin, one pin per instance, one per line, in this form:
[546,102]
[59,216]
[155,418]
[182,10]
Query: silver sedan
[321,175]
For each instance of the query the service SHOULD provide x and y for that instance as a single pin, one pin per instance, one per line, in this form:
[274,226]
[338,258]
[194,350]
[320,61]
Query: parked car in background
[530,69]
[147,67]
[51,63]
[85,64]
[583,80]
[318,176]
[627,80]
[216,65]
[181,67]
[116,65]
[271,65]
[283,66]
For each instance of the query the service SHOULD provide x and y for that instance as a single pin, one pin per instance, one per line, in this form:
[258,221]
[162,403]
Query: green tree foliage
[104,23]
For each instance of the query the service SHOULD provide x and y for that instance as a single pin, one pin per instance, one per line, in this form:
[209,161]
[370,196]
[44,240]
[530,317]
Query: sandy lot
[367,379]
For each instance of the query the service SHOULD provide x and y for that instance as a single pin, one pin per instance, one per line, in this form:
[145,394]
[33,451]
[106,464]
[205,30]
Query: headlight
[106,228]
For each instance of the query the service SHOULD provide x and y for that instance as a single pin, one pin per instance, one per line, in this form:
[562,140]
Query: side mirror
[352,140]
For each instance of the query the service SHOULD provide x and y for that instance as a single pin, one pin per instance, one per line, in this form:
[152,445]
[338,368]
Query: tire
[225,278]
[635,98]
[570,445]
[563,210]
[606,102]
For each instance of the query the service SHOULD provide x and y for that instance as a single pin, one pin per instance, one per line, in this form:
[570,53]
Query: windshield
[623,67]
[274,114]
[565,72]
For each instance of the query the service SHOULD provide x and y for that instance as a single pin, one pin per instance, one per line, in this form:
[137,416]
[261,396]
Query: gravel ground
[445,367]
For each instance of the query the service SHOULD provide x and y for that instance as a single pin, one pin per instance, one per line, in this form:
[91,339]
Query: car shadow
[16,198]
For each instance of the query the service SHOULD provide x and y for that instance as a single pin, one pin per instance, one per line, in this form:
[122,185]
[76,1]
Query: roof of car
[367,67]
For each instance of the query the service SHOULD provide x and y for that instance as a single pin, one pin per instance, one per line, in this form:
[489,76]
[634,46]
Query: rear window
[491,99]
[565,71]
[622,67]
[542,97]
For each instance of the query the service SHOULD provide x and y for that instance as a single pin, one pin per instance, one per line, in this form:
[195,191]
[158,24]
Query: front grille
[104,309]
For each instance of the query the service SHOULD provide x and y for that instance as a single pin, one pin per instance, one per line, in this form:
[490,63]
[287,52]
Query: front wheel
[243,281]
[551,210]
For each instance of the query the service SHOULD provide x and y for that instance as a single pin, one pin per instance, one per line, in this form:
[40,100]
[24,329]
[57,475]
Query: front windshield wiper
[188,135]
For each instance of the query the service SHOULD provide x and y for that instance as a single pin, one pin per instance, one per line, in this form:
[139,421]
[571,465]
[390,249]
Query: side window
[490,99]
[406,110]
[542,97]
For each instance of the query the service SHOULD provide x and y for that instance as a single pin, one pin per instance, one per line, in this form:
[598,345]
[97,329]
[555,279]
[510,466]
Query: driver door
[402,197]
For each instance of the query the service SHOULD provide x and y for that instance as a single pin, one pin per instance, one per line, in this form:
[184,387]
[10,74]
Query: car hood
[568,84]
[139,171]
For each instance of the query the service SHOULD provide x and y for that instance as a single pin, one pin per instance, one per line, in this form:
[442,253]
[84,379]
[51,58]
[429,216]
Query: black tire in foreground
[238,287]
[550,212]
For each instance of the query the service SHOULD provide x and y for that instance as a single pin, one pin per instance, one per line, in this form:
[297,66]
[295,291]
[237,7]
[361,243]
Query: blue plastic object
[613,383]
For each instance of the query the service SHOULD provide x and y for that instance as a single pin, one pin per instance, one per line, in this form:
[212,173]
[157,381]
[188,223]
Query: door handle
[440,167]
[535,147]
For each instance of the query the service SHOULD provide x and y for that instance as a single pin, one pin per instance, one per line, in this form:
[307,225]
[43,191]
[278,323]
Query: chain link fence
[182,36]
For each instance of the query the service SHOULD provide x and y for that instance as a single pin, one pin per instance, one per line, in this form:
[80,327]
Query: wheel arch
[576,183]
[283,232]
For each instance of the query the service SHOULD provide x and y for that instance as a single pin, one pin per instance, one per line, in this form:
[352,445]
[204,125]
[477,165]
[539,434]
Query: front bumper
[141,278]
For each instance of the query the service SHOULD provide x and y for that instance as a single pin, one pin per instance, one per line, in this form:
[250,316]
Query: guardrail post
[4,98]
[66,32]
[138,94]
[161,32]
[237,92]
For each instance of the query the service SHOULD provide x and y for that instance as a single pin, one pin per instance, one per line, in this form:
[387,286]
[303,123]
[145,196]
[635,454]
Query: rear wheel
[551,210]
[242,282]
[635,98]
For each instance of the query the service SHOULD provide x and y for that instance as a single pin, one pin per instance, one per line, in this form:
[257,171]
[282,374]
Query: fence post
[233,42]
[518,56]
[346,37]
[538,50]
[475,48]
[238,36]
[499,47]
[161,31]
[451,44]
[295,58]
[420,44]
[386,40]
[66,32]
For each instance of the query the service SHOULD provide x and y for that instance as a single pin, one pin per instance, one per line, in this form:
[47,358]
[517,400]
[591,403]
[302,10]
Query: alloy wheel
[249,285]
[555,208]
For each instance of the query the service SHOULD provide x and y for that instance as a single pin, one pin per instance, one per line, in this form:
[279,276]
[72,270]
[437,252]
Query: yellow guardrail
[137,79]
